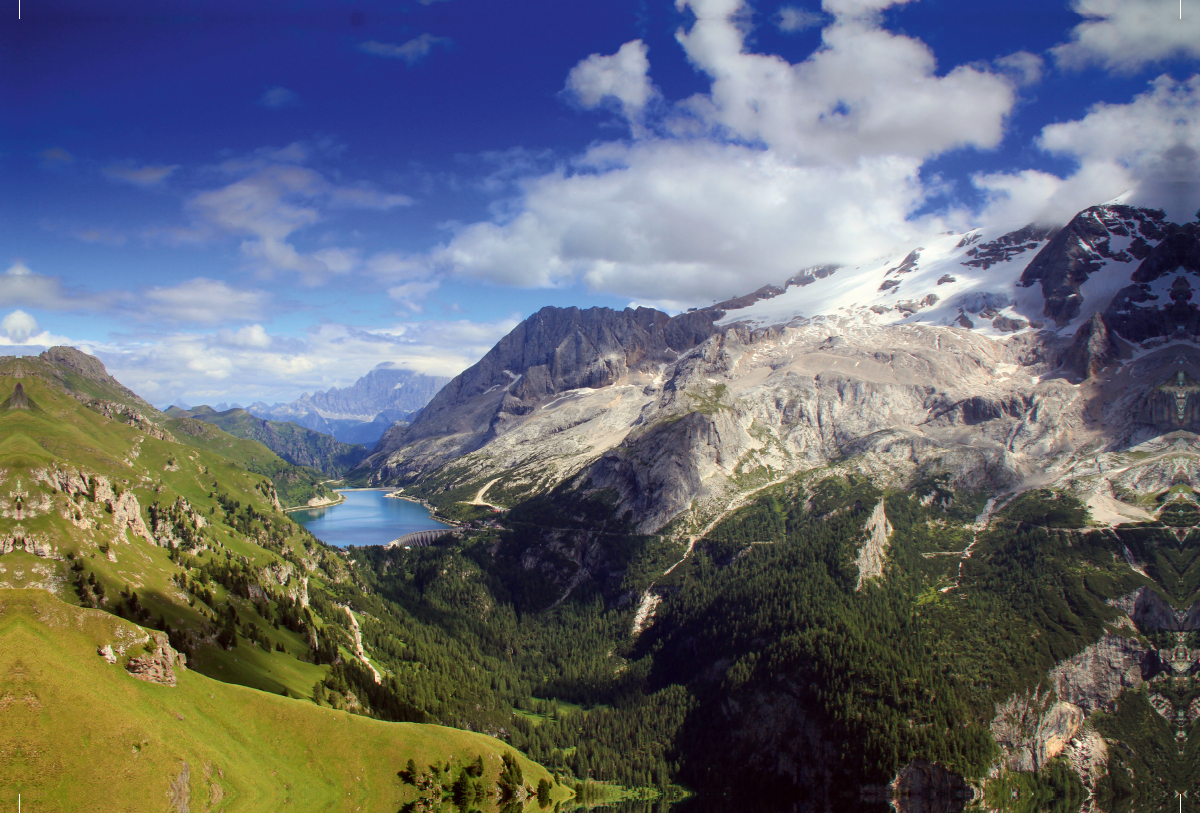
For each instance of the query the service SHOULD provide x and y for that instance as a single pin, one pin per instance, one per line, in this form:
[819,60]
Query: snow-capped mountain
[994,281]
[998,358]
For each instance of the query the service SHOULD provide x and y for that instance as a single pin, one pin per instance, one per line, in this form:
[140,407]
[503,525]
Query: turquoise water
[366,518]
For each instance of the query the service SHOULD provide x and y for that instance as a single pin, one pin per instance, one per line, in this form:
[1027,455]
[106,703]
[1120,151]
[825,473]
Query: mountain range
[1053,374]
[921,535]
[362,412]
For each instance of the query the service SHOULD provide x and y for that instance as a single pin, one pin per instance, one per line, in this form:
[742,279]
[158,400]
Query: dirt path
[358,647]
[479,497]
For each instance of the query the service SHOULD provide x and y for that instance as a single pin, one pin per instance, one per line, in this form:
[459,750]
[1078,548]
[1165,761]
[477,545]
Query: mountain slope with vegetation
[140,564]
[142,745]
[293,443]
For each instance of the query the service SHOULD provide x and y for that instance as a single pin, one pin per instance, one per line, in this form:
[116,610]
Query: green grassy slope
[295,485]
[77,733]
[294,443]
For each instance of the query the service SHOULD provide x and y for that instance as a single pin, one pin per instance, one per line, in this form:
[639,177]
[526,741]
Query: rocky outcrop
[159,665]
[127,513]
[21,539]
[1152,612]
[1083,247]
[556,350]
[107,653]
[1031,730]
[873,552]
[1056,728]
[1094,678]
[1092,350]
[61,362]
[929,787]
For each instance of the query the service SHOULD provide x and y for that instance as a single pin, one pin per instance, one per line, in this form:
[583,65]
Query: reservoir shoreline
[366,517]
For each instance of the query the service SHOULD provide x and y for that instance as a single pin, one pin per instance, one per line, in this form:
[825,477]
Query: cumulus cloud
[1146,149]
[147,175]
[791,19]
[412,51]
[21,329]
[19,326]
[658,220]
[248,336]
[777,167]
[1127,35]
[275,197]
[621,77]
[278,97]
[865,92]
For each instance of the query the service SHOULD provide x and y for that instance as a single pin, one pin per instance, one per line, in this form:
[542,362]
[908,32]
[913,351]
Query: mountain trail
[479,497]
[359,652]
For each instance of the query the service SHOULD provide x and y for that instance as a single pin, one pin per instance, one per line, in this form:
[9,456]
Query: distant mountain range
[362,412]
[295,444]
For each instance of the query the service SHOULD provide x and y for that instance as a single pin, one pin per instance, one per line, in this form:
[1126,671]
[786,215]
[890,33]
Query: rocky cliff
[556,352]
[683,416]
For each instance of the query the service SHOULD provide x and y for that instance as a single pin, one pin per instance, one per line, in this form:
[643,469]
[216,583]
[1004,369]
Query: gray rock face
[1092,350]
[1158,305]
[675,416]
[555,351]
[1092,679]
[1083,247]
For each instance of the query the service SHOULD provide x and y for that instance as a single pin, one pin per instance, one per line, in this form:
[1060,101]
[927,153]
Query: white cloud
[669,219]
[19,326]
[411,295]
[1022,67]
[249,364]
[278,97]
[248,336]
[779,166]
[621,77]
[202,301]
[1127,35]
[791,19]
[412,51]
[147,175]
[20,286]
[275,198]
[21,329]
[866,92]
[1147,148]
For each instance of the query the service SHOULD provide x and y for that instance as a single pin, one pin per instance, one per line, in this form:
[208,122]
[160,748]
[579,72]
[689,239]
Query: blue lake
[366,518]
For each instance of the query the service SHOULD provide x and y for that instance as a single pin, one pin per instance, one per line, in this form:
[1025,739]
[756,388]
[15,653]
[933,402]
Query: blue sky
[232,204]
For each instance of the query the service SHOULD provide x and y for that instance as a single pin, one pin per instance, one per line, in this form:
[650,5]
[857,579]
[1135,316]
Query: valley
[735,559]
